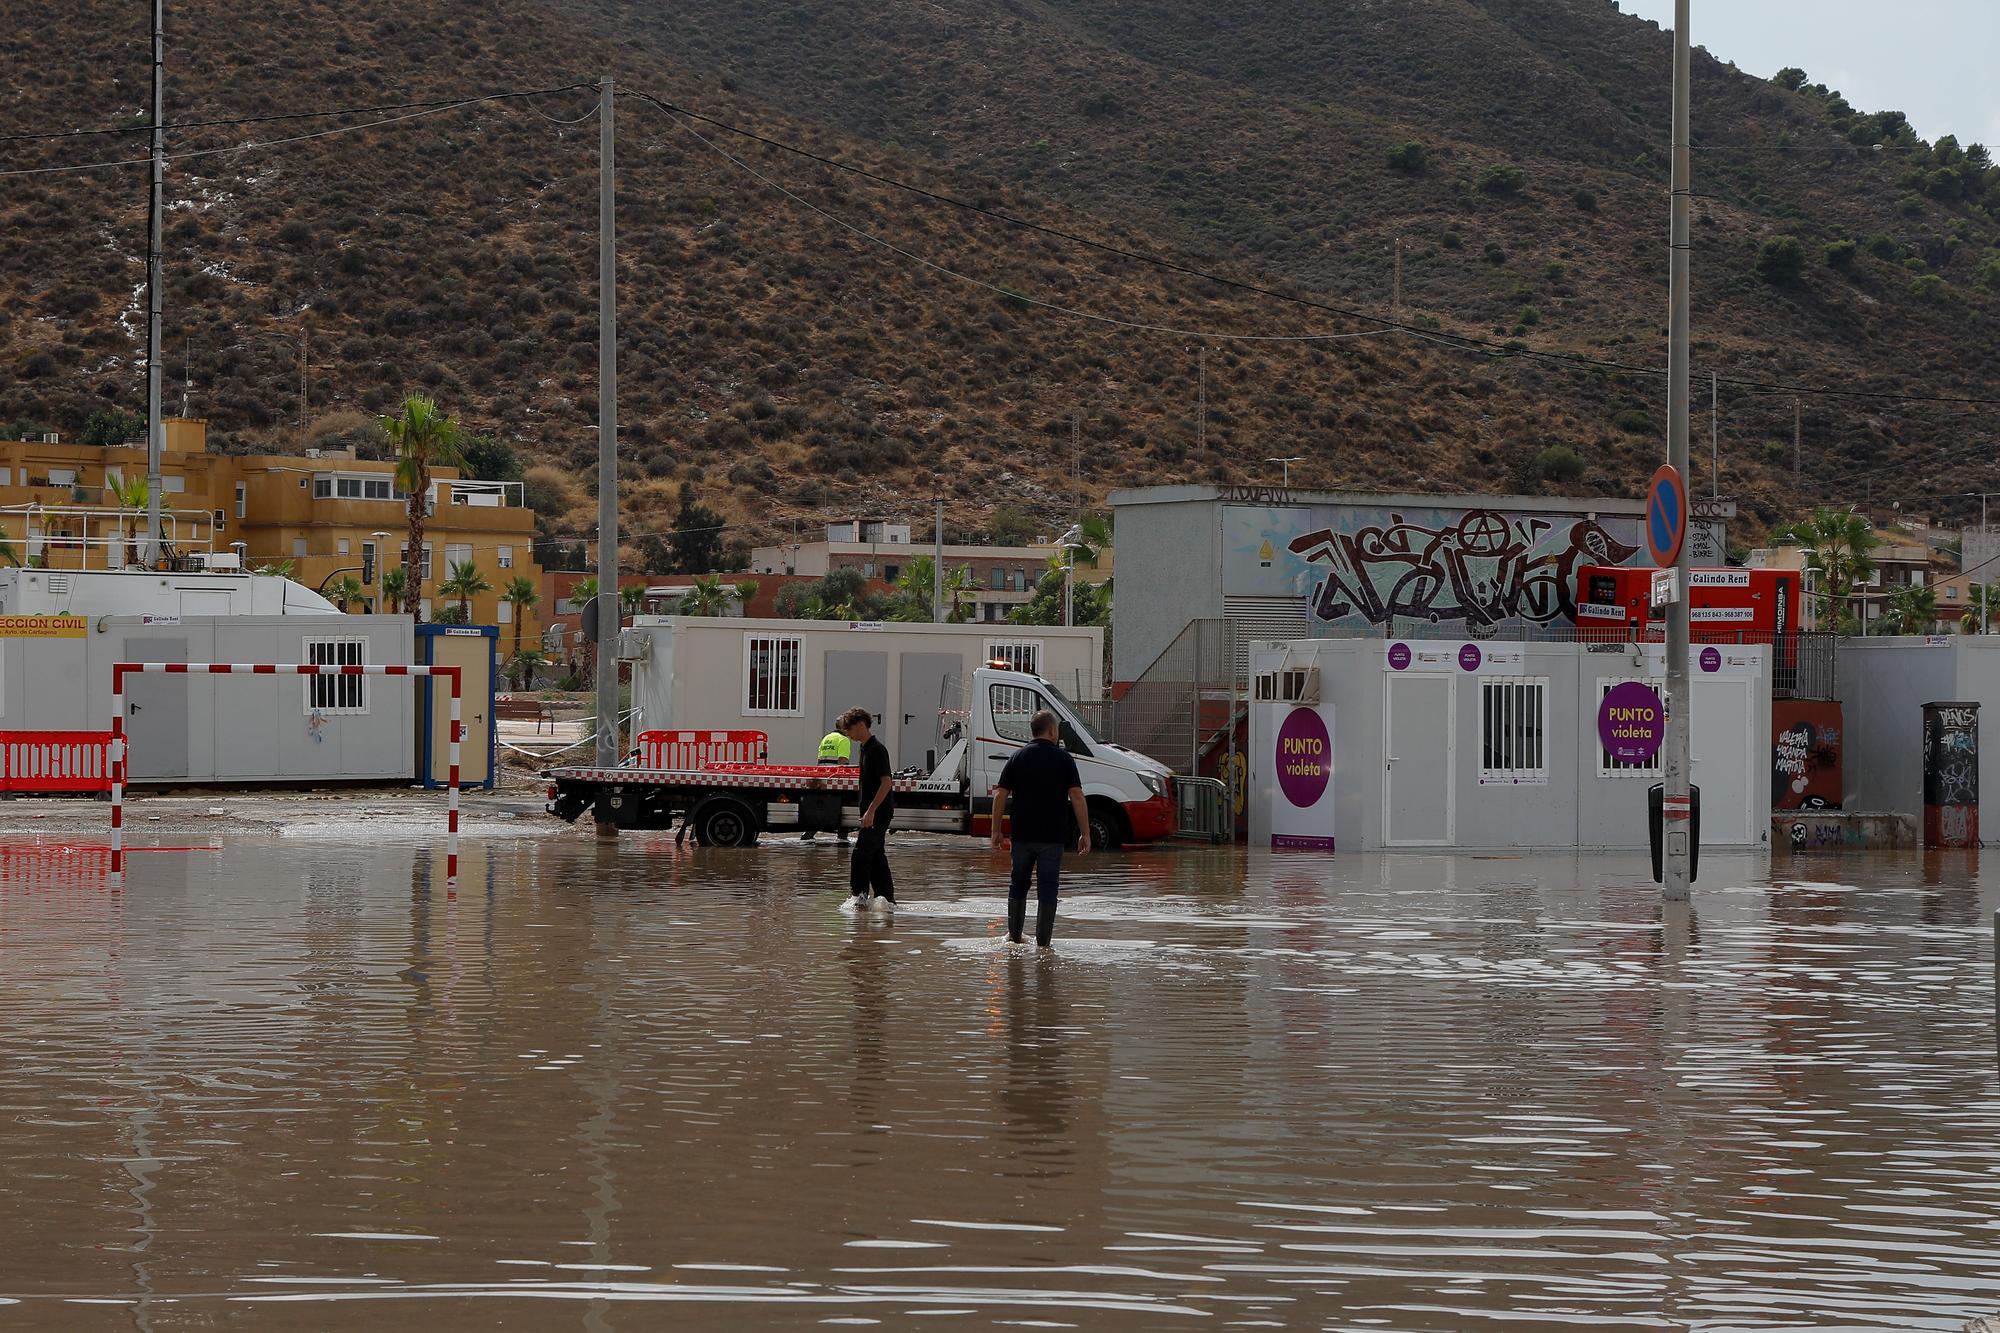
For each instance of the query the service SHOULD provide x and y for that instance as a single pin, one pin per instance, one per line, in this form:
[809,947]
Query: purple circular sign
[1399,656]
[1711,659]
[1469,657]
[1305,758]
[1631,722]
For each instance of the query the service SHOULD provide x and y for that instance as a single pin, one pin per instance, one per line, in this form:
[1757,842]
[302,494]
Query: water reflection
[1417,1093]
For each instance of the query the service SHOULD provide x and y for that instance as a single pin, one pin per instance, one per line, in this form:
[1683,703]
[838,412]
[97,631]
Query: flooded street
[291,1082]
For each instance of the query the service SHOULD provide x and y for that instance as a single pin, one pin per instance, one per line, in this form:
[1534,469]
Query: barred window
[1513,731]
[1608,767]
[336,694]
[1019,654]
[771,674]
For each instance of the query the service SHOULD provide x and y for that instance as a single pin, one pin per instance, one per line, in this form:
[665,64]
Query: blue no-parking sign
[1666,515]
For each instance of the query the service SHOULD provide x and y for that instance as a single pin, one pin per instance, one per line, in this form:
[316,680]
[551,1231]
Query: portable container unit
[1494,745]
[792,678]
[473,649]
[55,675]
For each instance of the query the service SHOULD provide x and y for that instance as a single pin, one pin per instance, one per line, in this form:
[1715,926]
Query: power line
[421,110]
[169,126]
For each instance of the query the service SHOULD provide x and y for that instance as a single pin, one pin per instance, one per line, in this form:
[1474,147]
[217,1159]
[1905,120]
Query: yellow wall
[281,518]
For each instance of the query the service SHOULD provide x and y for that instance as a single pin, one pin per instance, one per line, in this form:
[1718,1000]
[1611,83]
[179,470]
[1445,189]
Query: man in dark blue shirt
[1046,791]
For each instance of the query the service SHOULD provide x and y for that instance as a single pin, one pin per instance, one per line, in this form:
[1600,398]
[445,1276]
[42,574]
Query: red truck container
[1742,605]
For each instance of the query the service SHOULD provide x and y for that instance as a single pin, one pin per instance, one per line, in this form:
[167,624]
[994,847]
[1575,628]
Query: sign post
[1667,505]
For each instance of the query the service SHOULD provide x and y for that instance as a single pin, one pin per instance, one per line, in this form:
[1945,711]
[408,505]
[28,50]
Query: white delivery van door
[1417,759]
[1723,754]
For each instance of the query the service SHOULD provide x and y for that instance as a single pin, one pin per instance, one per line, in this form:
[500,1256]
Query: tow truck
[721,786]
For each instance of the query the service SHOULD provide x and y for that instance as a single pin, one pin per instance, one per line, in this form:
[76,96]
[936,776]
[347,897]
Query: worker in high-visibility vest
[835,749]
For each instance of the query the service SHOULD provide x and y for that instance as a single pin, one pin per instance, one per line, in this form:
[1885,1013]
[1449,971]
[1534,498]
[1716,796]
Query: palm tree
[708,597]
[913,590]
[8,553]
[395,583]
[958,591]
[632,600]
[424,438]
[1913,609]
[583,590]
[277,569]
[746,591]
[522,596]
[523,665]
[465,583]
[1838,543]
[346,592]
[132,495]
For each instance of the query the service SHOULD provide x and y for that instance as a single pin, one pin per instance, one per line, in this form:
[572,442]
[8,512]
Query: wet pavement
[289,1081]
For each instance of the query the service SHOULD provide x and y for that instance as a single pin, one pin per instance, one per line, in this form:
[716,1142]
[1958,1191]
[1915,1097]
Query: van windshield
[1075,716]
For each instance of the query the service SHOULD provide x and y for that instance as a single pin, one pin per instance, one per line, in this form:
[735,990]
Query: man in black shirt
[868,868]
[1045,789]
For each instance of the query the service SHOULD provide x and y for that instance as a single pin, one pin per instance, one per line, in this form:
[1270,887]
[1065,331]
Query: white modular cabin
[791,678]
[1491,745]
[101,592]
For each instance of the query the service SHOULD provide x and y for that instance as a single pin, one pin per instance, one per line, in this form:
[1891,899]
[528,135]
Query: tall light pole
[1295,458]
[156,426]
[1677,859]
[608,746]
[1984,557]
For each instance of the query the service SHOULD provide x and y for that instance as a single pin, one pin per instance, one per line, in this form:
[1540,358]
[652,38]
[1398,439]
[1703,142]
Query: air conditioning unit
[1292,685]
[223,562]
[51,438]
[312,453]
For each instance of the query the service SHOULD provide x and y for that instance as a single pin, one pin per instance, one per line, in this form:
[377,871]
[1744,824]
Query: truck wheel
[725,823]
[1107,828]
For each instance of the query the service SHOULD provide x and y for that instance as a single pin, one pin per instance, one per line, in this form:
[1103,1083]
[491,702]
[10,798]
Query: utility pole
[1677,859]
[1983,556]
[608,747]
[1396,299]
[1799,435]
[1714,450]
[937,560]
[1201,407]
[156,426]
[1076,492]
[305,379]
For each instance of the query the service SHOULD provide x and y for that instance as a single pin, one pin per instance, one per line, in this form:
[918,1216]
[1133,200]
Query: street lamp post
[1295,458]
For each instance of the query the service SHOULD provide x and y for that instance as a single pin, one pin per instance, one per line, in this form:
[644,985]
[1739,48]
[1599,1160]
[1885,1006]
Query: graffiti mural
[1951,775]
[1482,567]
[1806,769]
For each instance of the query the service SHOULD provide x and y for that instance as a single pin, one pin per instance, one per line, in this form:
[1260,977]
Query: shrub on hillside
[1557,463]
[1634,420]
[1840,254]
[1781,261]
[1409,157]
[1495,253]
[1585,200]
[1989,273]
[1928,287]
[1503,180]
[1882,247]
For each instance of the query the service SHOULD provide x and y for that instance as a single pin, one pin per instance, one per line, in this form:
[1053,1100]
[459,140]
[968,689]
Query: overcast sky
[1930,59]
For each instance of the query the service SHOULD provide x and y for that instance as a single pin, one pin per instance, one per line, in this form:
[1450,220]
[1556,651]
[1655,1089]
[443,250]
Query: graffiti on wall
[1951,775]
[1481,568]
[1806,769]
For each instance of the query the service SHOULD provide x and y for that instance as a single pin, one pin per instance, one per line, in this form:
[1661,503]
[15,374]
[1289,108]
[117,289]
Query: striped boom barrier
[120,746]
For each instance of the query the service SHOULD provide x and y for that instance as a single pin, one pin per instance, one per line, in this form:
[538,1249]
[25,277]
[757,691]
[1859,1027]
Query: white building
[791,678]
[1494,745]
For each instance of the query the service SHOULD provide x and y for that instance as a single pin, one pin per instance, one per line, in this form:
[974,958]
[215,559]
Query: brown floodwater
[293,1083]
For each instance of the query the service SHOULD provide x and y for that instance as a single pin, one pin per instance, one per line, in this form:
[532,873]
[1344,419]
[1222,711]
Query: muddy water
[293,1083]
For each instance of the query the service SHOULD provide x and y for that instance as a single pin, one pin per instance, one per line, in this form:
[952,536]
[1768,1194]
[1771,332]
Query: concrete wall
[1575,807]
[1884,684]
[237,728]
[1172,573]
[693,675]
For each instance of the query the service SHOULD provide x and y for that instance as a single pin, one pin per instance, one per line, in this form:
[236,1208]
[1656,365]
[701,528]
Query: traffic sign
[1666,515]
[1666,588]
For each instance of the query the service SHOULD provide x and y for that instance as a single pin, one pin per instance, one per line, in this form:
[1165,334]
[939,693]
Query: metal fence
[1201,808]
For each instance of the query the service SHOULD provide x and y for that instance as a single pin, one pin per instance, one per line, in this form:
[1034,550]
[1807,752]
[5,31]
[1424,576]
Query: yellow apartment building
[332,515]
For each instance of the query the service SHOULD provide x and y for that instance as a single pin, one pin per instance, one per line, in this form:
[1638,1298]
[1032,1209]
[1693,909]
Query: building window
[343,546]
[504,557]
[1607,767]
[424,609]
[425,575]
[336,694]
[456,554]
[298,548]
[1023,655]
[242,498]
[1513,731]
[771,674]
[999,578]
[172,485]
[889,573]
[1020,580]
[62,476]
[504,612]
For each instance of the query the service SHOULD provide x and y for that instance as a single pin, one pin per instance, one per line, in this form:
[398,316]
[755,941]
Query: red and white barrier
[55,761]
[120,746]
[700,749]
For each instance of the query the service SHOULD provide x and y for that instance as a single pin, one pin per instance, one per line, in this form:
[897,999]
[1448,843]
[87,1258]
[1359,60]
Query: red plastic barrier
[683,751]
[839,775]
[55,761]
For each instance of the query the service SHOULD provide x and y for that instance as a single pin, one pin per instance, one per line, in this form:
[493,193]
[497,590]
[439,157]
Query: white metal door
[1418,750]
[156,712]
[1723,753]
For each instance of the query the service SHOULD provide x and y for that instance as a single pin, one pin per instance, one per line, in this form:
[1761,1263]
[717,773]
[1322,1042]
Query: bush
[1882,247]
[110,426]
[1101,106]
[1840,254]
[1410,158]
[1529,316]
[1502,180]
[1781,261]
[1790,77]
[1989,273]
[1558,463]
[1452,241]
[1585,200]
[1495,254]
[1633,420]
[1928,287]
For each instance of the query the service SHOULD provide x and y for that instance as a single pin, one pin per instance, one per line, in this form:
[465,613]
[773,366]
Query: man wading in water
[1046,790]
[868,869]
